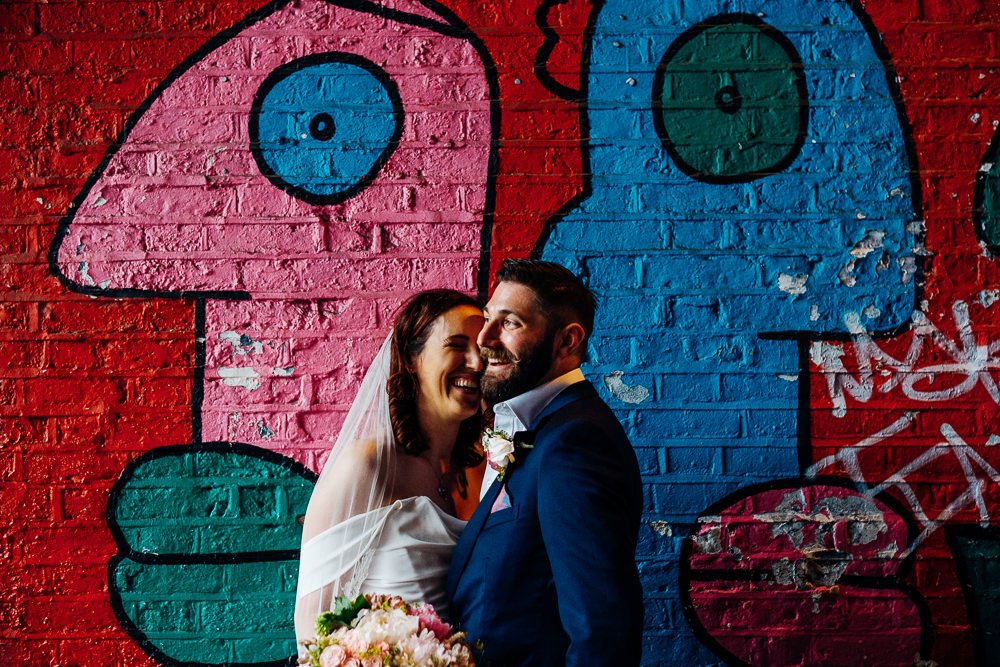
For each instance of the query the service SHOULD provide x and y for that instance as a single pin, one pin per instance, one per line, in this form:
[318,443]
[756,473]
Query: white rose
[500,450]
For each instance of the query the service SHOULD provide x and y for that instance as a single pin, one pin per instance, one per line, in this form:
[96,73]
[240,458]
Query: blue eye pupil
[322,127]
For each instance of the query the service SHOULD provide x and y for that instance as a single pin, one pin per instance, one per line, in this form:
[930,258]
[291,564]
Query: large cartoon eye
[729,100]
[323,125]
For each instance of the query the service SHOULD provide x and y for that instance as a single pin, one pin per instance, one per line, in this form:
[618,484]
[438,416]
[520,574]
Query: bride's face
[448,368]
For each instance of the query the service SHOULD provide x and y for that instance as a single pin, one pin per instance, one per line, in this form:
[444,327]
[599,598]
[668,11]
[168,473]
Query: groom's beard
[524,373]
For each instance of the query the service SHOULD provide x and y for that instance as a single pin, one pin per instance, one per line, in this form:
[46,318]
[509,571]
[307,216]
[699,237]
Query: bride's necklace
[444,479]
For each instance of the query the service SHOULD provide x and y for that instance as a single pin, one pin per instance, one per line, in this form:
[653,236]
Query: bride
[381,518]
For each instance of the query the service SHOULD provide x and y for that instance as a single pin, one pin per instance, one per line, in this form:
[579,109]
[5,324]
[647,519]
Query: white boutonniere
[501,449]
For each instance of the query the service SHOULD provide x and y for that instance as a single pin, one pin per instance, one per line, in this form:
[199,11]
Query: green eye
[730,102]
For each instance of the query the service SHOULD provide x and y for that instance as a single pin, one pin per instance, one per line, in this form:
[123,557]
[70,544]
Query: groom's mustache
[495,354]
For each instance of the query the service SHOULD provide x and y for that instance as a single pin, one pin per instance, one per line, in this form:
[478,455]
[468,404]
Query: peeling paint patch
[871,242]
[907,268]
[285,371]
[814,313]
[247,378]
[264,431]
[993,441]
[83,269]
[871,312]
[243,345]
[708,541]
[622,391]
[793,284]
[662,528]
[784,572]
[988,297]
[787,377]
[846,274]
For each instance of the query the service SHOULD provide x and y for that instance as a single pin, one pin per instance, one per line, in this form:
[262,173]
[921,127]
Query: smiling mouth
[466,384]
[495,359]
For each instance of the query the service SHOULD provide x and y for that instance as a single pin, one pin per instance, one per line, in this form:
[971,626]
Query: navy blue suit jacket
[552,579]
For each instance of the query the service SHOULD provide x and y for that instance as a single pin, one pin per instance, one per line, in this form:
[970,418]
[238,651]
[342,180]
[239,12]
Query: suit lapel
[460,556]
[463,550]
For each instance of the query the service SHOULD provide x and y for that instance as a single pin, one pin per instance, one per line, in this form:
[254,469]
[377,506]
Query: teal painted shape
[211,613]
[209,537]
[754,120]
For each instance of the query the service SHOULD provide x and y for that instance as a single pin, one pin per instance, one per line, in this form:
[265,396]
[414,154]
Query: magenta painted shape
[803,575]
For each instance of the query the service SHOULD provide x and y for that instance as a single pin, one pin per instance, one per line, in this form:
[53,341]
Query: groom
[544,573]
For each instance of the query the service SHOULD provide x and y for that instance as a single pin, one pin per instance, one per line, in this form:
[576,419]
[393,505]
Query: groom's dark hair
[557,289]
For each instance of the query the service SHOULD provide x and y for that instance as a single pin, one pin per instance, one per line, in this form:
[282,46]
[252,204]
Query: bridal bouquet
[372,630]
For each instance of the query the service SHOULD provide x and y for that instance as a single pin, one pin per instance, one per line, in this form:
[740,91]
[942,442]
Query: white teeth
[466,384]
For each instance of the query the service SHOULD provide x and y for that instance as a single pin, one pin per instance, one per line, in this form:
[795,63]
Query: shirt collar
[526,407]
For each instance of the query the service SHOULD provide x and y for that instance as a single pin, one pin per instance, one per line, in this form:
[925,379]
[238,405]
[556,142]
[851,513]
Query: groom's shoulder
[580,408]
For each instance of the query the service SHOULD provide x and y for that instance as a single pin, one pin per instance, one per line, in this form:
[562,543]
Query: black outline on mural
[797,67]
[580,97]
[895,582]
[549,45]
[453,28]
[976,620]
[279,74]
[125,551]
[492,166]
[200,356]
[979,212]
[802,337]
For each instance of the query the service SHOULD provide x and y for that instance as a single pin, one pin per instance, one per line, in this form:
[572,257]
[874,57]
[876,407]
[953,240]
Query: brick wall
[787,209]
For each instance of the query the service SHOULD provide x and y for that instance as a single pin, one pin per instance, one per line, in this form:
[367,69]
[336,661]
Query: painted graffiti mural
[791,237]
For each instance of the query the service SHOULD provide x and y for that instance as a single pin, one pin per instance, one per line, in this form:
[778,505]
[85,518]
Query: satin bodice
[401,549]
[413,552]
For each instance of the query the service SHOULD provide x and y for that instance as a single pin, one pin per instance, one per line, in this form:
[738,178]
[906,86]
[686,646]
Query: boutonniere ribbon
[502,449]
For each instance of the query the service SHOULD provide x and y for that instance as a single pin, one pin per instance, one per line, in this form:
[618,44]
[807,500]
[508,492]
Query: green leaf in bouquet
[345,610]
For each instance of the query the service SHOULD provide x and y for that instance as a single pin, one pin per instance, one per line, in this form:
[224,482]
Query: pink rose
[430,620]
[334,655]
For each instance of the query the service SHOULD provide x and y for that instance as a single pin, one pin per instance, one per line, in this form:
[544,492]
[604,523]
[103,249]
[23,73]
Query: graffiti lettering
[969,364]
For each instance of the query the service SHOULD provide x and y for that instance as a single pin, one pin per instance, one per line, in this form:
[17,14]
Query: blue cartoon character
[750,191]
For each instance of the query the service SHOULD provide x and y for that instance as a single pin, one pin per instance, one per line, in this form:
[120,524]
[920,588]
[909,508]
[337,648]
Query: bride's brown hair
[409,334]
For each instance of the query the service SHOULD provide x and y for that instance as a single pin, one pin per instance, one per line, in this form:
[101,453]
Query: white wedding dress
[356,538]
[402,549]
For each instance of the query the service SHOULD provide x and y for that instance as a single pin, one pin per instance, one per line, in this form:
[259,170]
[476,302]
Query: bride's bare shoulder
[364,455]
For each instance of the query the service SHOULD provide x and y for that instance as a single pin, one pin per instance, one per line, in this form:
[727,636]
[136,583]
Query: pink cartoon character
[298,177]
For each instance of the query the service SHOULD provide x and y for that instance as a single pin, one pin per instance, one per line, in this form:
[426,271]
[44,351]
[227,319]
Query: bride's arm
[353,484]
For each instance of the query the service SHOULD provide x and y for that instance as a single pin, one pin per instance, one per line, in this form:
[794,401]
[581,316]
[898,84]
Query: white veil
[341,525]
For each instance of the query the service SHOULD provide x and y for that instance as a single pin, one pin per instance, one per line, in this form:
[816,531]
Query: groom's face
[516,343]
